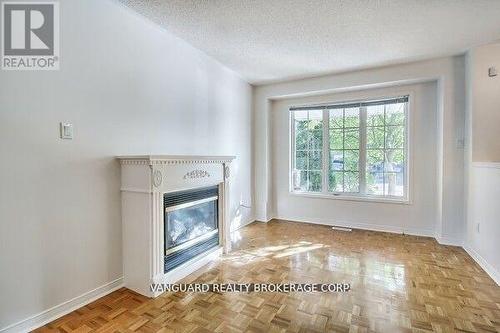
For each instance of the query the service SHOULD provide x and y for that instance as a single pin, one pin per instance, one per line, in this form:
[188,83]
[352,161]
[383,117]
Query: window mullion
[385,152]
[406,178]
[293,153]
[326,150]
[362,149]
[343,150]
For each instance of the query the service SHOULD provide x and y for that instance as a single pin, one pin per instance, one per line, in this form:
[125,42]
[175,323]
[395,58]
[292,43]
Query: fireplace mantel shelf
[169,159]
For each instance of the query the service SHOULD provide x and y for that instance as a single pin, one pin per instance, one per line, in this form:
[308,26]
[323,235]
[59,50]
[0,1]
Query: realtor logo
[30,35]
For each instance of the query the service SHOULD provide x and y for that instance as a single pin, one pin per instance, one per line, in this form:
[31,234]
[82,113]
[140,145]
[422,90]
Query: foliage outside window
[352,149]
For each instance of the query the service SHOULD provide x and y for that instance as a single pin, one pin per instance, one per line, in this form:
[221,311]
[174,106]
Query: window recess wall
[417,215]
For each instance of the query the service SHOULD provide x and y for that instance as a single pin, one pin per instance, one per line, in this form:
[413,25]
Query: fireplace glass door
[193,220]
[191,224]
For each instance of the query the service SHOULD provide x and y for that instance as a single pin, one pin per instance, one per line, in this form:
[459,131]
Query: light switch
[66,131]
[492,72]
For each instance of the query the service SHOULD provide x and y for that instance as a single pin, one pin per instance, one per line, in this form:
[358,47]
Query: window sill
[351,198]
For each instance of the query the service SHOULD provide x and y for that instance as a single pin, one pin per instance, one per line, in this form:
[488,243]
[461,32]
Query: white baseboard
[263,220]
[250,220]
[62,309]
[448,241]
[492,272]
[364,226]
[493,165]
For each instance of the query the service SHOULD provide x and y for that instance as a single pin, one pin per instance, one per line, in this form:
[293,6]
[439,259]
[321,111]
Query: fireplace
[190,224]
[174,216]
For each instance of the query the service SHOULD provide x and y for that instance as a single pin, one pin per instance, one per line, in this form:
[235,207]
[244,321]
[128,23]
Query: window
[351,149]
[309,150]
[344,150]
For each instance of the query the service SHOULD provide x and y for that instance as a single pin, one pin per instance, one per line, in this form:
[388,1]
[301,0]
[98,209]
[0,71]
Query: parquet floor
[399,284]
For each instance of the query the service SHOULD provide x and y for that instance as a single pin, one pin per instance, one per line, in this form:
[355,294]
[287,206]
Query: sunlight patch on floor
[268,252]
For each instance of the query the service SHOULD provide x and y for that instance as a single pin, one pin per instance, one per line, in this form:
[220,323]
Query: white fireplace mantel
[144,180]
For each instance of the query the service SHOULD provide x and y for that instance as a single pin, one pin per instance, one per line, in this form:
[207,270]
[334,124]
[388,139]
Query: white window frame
[325,193]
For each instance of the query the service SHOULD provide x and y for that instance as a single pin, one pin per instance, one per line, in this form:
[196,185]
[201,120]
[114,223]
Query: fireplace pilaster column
[226,218]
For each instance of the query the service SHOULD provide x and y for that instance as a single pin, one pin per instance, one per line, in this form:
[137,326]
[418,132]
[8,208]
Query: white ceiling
[273,40]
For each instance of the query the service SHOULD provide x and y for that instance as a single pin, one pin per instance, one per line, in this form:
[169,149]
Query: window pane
[308,150]
[351,160]
[301,115]
[301,160]
[336,181]
[375,183]
[351,182]
[344,150]
[351,117]
[394,160]
[351,139]
[375,115]
[301,135]
[394,182]
[336,118]
[316,139]
[315,116]
[336,160]
[394,136]
[375,137]
[315,181]
[315,159]
[375,161]
[395,114]
[302,181]
[336,139]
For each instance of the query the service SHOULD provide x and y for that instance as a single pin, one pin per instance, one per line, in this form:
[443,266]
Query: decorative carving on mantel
[134,162]
[157,178]
[188,161]
[196,174]
[227,172]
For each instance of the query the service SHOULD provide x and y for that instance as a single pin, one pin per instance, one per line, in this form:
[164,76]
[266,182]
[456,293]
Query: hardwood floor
[398,284]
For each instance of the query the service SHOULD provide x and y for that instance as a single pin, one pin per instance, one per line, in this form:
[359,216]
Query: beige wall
[485,105]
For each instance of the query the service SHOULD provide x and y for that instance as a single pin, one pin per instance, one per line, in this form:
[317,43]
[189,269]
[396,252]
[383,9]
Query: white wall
[483,223]
[129,88]
[449,74]
[483,175]
[418,217]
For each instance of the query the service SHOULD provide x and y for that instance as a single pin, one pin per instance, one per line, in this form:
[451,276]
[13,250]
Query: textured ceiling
[272,40]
